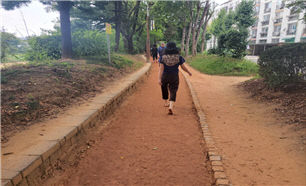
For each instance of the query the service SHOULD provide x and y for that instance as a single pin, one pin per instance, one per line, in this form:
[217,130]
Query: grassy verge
[14,58]
[119,61]
[226,66]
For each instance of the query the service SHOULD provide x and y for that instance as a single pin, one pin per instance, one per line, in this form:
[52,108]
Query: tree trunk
[188,39]
[183,39]
[189,31]
[194,28]
[204,20]
[118,7]
[130,27]
[148,34]
[130,45]
[203,38]
[64,9]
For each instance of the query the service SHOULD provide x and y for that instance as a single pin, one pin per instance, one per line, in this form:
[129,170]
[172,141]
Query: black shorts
[154,57]
[170,83]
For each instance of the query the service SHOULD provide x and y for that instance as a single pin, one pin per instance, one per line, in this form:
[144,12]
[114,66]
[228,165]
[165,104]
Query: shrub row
[284,64]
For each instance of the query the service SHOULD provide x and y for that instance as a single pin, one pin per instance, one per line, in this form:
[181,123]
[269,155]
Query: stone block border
[219,175]
[31,170]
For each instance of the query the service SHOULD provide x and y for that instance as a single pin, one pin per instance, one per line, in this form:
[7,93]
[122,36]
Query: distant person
[161,50]
[168,74]
[154,52]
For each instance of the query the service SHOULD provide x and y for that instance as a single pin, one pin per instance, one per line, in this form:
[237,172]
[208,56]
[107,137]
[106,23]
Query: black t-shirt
[171,63]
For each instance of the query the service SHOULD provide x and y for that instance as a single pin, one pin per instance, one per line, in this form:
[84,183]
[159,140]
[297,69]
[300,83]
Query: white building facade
[274,24]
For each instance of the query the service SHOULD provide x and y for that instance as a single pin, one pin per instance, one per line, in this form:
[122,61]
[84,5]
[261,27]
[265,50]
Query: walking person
[154,52]
[161,50]
[168,74]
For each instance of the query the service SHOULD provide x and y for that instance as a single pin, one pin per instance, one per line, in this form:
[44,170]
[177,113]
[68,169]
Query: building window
[257,8]
[268,7]
[278,17]
[262,41]
[293,14]
[266,20]
[276,31]
[280,4]
[275,40]
[254,33]
[264,32]
[291,28]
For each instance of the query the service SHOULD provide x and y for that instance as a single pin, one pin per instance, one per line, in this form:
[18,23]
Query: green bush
[84,43]
[44,47]
[283,65]
[89,42]
[227,66]
[212,51]
[232,43]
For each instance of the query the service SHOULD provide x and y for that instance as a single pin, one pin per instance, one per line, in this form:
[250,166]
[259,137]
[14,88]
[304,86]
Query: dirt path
[142,145]
[257,147]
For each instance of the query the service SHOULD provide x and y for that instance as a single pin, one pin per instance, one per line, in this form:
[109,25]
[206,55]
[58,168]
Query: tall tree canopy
[64,8]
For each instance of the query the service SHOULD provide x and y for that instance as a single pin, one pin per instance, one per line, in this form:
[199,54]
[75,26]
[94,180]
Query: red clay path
[142,145]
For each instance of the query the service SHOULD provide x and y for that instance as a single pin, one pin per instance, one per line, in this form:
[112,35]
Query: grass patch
[14,58]
[119,61]
[226,66]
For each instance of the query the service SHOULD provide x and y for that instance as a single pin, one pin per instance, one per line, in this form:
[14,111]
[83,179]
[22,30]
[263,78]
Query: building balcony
[278,20]
[275,40]
[282,6]
[267,10]
[276,33]
[253,36]
[291,32]
[264,23]
[293,17]
[263,34]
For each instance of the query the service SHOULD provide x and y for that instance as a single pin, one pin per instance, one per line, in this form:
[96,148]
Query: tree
[198,26]
[231,29]
[207,18]
[9,43]
[297,6]
[64,8]
[190,27]
[97,13]
[131,23]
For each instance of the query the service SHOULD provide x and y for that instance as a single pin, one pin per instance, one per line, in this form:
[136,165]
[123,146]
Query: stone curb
[219,175]
[38,162]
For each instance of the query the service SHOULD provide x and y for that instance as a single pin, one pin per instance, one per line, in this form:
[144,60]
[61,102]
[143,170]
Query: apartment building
[274,24]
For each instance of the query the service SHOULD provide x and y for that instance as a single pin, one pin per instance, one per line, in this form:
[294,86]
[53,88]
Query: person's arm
[161,70]
[185,69]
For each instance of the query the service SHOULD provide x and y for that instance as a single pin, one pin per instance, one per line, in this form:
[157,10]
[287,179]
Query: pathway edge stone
[219,174]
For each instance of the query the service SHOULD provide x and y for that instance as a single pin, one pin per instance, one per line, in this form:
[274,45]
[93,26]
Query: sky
[36,18]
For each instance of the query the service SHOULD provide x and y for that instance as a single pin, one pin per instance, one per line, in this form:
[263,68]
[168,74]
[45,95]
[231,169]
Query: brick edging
[219,174]
[58,150]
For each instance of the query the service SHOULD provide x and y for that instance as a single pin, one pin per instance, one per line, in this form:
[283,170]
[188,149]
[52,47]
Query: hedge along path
[142,145]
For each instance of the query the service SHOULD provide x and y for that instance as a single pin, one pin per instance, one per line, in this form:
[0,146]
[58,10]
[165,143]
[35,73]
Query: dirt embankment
[291,99]
[34,92]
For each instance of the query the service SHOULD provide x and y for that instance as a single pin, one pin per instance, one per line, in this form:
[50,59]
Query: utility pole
[25,24]
[148,34]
